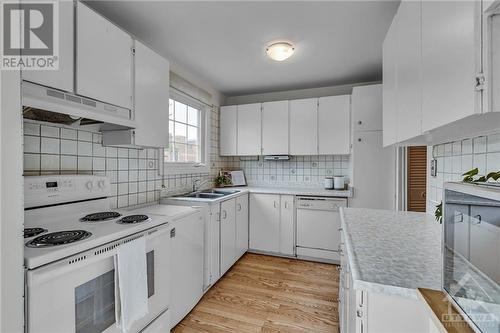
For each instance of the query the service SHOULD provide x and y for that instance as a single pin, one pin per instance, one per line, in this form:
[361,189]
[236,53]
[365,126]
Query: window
[184,133]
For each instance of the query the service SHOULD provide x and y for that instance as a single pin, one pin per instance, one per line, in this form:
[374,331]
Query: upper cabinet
[63,78]
[367,108]
[249,129]
[275,130]
[151,98]
[389,92]
[312,126]
[104,59]
[450,61]
[334,122]
[432,70]
[304,126]
[409,75]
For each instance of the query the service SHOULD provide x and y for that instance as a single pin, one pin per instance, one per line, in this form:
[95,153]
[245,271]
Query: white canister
[339,182]
[328,183]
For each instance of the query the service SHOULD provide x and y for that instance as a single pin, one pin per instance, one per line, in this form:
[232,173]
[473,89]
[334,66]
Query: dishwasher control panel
[321,203]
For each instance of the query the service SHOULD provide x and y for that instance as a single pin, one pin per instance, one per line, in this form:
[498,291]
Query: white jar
[339,182]
[328,183]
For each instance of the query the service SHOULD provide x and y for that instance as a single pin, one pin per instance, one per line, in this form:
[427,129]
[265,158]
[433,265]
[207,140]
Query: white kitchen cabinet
[265,222]
[287,225]
[389,91]
[63,78]
[152,87]
[366,108]
[409,81]
[241,225]
[228,130]
[227,235]
[304,126]
[450,61]
[373,172]
[334,123]
[212,256]
[104,59]
[249,130]
[275,130]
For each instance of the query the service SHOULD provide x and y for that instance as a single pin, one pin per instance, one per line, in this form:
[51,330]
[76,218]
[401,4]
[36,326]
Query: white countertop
[392,252]
[298,191]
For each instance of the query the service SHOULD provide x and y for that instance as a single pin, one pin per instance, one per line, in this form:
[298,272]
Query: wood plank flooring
[269,295]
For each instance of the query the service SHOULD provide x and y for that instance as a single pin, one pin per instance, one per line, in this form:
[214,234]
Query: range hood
[55,106]
[276,157]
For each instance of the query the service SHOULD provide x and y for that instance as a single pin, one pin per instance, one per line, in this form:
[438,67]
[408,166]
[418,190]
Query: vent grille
[75,260]
[56,94]
[106,249]
[89,103]
[73,99]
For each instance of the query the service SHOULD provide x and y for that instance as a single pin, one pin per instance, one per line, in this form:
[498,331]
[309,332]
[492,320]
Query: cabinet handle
[360,122]
[359,313]
[359,139]
[275,205]
[225,214]
[478,218]
[239,207]
[286,204]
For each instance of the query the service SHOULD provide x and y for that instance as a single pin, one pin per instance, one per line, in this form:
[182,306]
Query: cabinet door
[389,91]
[228,130]
[409,98]
[264,222]
[304,127]
[104,59]
[241,225]
[367,108]
[372,190]
[275,128]
[450,54]
[334,123]
[249,129]
[214,244]
[151,97]
[63,78]
[287,225]
[227,235]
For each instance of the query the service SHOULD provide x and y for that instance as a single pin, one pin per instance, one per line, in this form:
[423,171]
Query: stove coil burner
[30,232]
[102,216]
[132,219]
[58,238]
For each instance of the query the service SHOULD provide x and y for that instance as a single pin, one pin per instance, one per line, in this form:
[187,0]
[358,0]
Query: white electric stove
[71,238]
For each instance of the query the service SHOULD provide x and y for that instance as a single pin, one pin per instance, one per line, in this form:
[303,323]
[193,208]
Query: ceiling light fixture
[280,51]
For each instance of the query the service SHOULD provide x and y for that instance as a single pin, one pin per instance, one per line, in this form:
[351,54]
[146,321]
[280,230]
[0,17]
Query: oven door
[77,294]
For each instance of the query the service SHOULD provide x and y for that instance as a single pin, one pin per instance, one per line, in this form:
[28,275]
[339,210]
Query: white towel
[131,283]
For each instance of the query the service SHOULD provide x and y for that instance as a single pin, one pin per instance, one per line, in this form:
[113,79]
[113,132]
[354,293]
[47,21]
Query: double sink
[210,194]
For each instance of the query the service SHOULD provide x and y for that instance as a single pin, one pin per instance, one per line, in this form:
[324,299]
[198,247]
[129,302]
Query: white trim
[172,168]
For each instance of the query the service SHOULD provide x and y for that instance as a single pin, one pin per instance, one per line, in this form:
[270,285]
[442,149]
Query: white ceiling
[337,42]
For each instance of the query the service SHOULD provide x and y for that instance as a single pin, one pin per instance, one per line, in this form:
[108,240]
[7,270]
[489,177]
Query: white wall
[294,94]
[11,204]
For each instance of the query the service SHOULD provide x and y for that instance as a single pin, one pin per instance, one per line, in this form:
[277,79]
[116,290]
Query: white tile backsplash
[456,158]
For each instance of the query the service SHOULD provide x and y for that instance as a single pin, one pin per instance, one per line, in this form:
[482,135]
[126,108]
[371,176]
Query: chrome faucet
[197,183]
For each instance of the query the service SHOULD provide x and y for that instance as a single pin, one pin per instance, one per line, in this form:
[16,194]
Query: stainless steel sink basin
[210,194]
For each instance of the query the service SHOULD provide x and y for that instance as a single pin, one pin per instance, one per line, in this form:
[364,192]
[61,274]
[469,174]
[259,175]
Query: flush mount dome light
[280,51]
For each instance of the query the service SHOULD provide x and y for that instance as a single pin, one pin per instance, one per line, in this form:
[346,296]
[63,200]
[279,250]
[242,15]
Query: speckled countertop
[392,252]
[299,191]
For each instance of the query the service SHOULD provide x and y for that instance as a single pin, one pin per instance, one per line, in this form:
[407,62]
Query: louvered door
[417,177]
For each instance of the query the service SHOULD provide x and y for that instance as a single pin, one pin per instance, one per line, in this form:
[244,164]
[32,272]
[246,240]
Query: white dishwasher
[318,228]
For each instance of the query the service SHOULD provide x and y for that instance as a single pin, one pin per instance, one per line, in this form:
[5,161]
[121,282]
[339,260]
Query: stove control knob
[101,184]
[89,185]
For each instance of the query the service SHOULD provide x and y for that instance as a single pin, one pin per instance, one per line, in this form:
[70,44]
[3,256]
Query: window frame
[171,168]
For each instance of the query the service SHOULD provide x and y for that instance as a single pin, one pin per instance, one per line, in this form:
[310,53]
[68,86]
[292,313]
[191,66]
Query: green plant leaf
[481,179]
[438,214]
[468,179]
[493,175]
[471,172]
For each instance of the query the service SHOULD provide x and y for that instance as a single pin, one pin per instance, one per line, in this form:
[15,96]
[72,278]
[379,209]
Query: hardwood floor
[269,295]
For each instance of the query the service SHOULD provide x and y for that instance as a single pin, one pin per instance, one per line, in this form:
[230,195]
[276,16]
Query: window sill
[184,168]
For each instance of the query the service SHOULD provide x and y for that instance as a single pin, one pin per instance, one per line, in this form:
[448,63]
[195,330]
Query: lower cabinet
[227,235]
[272,223]
[241,225]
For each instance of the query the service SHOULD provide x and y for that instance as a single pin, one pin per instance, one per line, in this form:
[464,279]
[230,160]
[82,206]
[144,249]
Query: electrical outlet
[434,167]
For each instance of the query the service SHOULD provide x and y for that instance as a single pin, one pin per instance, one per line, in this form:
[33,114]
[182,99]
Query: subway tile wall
[303,171]
[455,158]
[136,175]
